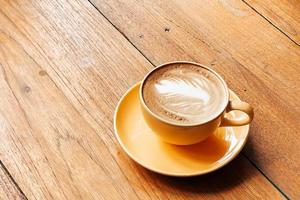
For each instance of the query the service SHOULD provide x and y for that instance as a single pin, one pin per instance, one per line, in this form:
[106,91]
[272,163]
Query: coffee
[184,93]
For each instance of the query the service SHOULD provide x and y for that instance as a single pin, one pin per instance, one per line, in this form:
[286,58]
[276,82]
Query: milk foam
[184,93]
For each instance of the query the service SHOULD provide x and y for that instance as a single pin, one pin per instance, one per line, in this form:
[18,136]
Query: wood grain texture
[8,189]
[259,63]
[284,14]
[63,70]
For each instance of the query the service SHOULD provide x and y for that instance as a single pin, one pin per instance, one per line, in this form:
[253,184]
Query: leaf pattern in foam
[185,96]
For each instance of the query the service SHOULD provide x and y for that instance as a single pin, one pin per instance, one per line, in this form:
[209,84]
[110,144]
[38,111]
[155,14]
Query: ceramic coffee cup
[191,133]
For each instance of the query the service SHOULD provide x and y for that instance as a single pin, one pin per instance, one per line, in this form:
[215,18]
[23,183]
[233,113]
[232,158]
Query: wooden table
[65,64]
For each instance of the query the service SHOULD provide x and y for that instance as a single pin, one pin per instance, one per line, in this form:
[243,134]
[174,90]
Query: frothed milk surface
[184,93]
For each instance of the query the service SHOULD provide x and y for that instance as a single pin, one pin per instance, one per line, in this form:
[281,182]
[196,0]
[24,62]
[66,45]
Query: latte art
[184,93]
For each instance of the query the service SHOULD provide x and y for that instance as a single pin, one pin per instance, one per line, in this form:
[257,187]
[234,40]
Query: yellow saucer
[143,146]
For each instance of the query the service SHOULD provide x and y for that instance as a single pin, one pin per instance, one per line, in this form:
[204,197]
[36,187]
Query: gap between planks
[270,22]
[276,186]
[120,31]
[13,180]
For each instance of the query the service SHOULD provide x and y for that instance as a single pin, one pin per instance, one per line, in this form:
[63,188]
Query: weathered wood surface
[283,14]
[64,68]
[259,63]
[8,189]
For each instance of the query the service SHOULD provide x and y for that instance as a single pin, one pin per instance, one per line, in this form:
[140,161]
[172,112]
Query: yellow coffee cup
[186,134]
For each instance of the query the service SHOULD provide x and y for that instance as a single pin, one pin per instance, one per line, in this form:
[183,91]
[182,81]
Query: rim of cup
[179,124]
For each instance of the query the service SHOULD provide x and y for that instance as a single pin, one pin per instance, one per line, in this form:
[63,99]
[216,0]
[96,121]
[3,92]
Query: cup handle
[241,106]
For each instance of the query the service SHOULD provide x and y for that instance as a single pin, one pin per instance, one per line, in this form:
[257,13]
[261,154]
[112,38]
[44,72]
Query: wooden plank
[284,14]
[258,62]
[47,145]
[63,69]
[8,189]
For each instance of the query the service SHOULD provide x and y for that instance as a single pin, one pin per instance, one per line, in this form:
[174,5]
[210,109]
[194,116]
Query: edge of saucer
[218,166]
